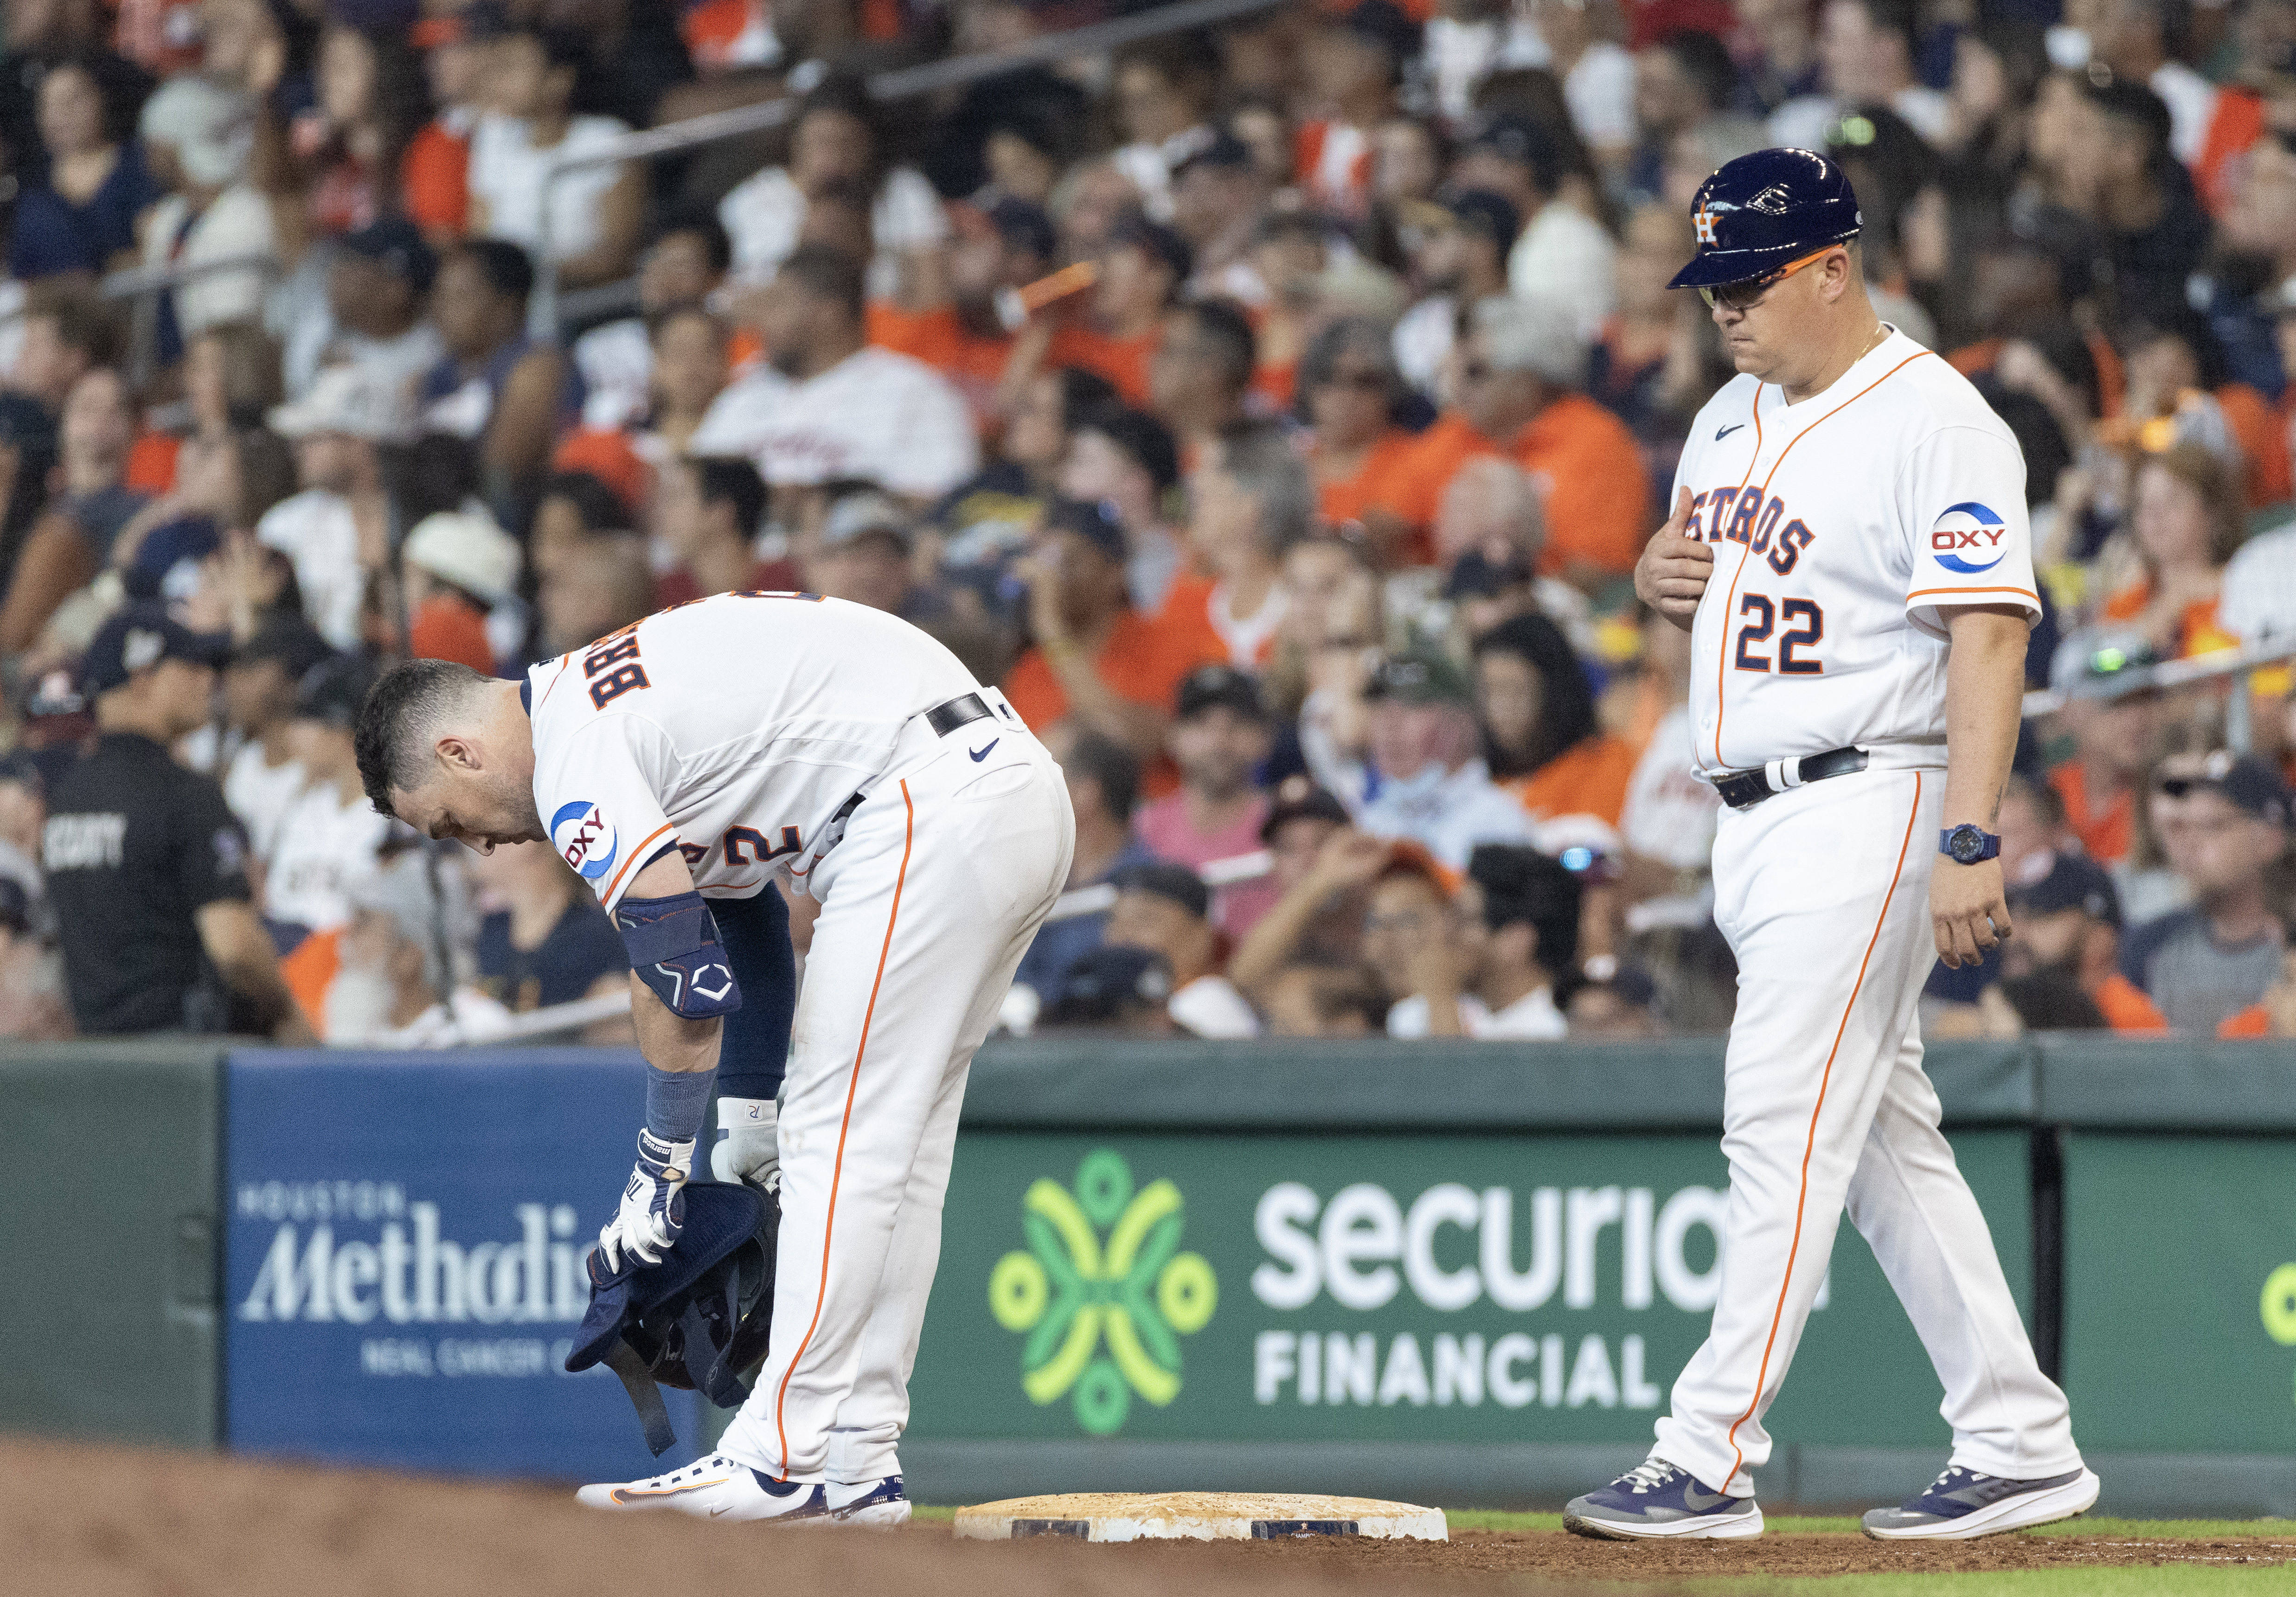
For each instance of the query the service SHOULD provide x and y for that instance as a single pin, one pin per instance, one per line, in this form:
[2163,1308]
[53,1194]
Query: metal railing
[905,83]
[143,282]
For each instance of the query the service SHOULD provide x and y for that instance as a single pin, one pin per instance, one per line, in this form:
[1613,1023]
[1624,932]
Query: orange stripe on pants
[1802,1196]
[852,1084]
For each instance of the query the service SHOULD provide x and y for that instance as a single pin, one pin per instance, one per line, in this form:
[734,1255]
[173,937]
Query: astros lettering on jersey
[1837,546]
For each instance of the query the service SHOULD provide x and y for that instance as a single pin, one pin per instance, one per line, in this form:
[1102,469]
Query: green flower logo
[1071,1289]
[2280,1305]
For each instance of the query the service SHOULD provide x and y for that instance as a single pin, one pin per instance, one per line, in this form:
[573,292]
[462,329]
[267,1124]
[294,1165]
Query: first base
[1199,1516]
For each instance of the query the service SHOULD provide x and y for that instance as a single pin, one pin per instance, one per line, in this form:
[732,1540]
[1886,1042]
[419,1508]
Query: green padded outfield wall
[108,1181]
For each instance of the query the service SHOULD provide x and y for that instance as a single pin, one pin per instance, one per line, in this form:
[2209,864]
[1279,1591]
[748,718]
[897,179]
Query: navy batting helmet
[1764,212]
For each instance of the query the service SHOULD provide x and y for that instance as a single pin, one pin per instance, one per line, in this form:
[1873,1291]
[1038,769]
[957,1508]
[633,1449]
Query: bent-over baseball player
[687,766]
[1850,553]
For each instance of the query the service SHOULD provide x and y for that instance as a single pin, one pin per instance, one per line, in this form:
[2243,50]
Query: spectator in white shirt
[262,779]
[330,839]
[1598,76]
[835,141]
[586,221]
[411,938]
[378,288]
[1163,87]
[1562,255]
[826,406]
[1424,782]
[1865,51]
[197,138]
[336,428]
[1166,909]
[1463,262]
[688,258]
[1481,965]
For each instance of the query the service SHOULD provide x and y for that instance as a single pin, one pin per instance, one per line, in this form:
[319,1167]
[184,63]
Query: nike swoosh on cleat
[1726,431]
[981,754]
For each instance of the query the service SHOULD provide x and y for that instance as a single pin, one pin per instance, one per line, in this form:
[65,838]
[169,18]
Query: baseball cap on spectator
[1223,152]
[399,247]
[2096,662]
[1476,575]
[1420,677]
[1095,524]
[475,24]
[333,691]
[1516,138]
[139,636]
[210,128]
[2249,783]
[606,455]
[1536,335]
[2071,881]
[347,400]
[857,515]
[1384,26]
[168,560]
[1492,215]
[468,552]
[1158,242]
[1176,883]
[1101,985]
[1306,803]
[1408,858]
[1143,438]
[291,640]
[1208,687]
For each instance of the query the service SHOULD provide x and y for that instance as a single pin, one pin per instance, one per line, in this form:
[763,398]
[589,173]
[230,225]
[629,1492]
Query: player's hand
[749,1143]
[652,1211]
[1673,569]
[1348,859]
[1968,911]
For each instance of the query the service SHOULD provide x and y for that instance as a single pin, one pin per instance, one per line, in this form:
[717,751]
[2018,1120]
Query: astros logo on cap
[1705,219]
[1967,538]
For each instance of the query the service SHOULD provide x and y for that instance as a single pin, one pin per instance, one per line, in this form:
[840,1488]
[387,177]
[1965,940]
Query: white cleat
[714,1489]
[880,1503]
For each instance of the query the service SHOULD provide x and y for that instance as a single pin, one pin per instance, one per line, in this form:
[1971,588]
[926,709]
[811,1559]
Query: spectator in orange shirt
[1290,254]
[2116,738]
[459,567]
[434,173]
[1518,370]
[1350,385]
[1002,248]
[1249,506]
[2069,925]
[1199,374]
[2188,516]
[1353,64]
[1540,738]
[1096,660]
[1141,272]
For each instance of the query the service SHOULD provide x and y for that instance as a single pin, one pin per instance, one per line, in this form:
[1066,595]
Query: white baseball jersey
[733,727]
[1843,527]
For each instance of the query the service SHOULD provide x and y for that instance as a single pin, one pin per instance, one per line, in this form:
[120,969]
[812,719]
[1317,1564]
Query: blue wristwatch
[1967,844]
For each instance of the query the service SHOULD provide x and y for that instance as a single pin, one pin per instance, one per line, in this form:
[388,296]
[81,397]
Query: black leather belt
[963,711]
[1744,789]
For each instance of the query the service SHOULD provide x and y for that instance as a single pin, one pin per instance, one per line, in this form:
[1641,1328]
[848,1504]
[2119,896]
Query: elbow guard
[673,947]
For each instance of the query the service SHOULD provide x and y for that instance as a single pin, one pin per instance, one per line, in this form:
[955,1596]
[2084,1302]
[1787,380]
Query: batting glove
[749,1143]
[652,1211]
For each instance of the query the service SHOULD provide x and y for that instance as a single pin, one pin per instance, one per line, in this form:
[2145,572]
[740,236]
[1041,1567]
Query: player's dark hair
[728,480]
[1521,885]
[1566,707]
[828,274]
[1705,60]
[1224,327]
[401,715]
[509,270]
[1113,769]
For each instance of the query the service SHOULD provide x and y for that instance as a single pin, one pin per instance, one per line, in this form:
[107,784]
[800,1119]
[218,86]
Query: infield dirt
[146,1523]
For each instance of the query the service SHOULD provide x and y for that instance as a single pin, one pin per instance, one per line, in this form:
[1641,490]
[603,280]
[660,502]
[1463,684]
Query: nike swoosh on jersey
[1725,432]
[982,753]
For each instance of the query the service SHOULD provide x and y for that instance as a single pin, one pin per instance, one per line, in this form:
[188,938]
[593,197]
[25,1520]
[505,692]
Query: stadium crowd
[1275,411]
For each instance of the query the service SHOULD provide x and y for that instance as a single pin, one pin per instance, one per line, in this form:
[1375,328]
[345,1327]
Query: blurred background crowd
[1274,408]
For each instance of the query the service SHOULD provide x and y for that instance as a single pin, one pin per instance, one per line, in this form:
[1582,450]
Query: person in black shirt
[146,866]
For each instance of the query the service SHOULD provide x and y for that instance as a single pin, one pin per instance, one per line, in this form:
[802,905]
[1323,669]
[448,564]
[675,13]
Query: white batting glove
[652,1211]
[749,1143]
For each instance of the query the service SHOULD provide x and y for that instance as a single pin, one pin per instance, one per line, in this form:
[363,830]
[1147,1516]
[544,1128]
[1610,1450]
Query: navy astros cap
[1764,212]
[2071,881]
[399,247]
[1095,522]
[1176,883]
[1211,685]
[139,636]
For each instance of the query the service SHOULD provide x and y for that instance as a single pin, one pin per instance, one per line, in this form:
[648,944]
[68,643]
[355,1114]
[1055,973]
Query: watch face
[1967,844]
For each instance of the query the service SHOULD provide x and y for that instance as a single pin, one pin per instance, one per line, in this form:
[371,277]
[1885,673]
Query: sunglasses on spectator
[2177,787]
[1747,294]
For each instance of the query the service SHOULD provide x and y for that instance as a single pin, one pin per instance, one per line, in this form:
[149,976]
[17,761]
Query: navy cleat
[1961,1504]
[878,1502]
[1654,1499]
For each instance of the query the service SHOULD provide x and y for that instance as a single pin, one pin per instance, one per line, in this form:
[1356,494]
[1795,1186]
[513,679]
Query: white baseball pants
[1822,892]
[944,874]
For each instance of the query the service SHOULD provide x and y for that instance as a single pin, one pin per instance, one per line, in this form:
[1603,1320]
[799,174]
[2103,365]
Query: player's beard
[358,1005]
